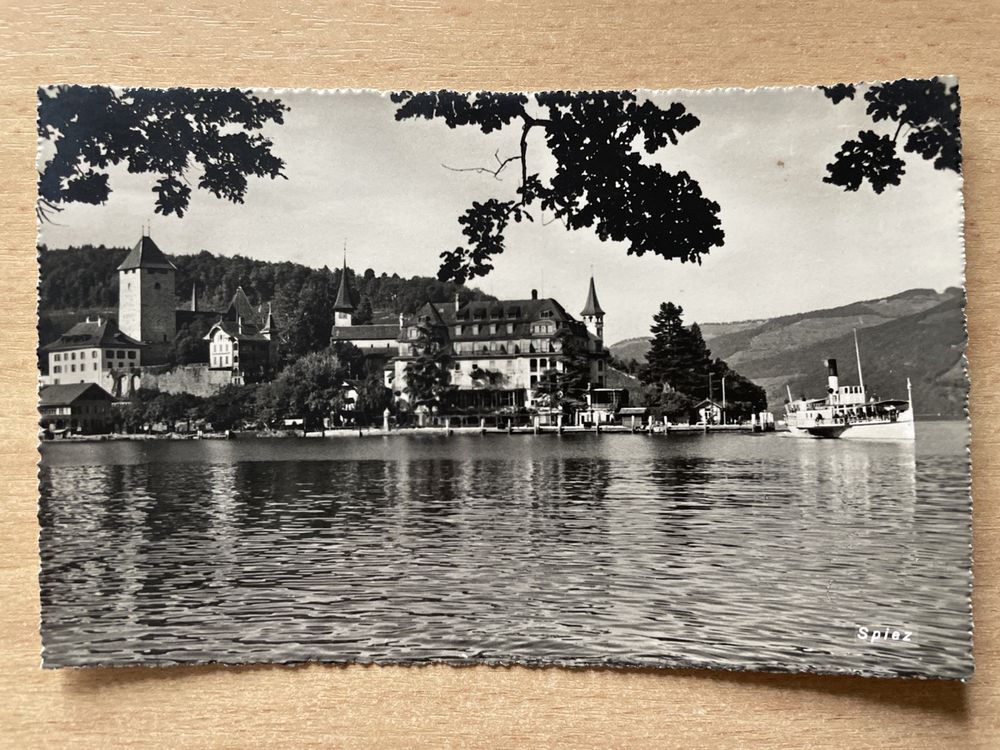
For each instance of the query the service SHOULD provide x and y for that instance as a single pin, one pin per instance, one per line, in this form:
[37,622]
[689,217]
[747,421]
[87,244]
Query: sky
[358,177]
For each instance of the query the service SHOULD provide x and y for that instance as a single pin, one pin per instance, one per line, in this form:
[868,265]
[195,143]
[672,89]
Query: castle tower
[146,305]
[592,314]
[343,309]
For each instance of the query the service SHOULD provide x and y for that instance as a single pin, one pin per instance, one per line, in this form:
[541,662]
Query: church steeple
[343,309]
[592,314]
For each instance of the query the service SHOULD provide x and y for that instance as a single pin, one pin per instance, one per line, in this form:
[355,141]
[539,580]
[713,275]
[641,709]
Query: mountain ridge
[919,333]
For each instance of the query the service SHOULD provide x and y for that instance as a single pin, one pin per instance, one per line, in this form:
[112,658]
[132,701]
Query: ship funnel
[832,381]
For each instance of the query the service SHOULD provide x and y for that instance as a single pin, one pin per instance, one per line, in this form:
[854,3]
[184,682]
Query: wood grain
[469,45]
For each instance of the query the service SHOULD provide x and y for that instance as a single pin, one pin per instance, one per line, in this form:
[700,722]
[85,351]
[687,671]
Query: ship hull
[901,429]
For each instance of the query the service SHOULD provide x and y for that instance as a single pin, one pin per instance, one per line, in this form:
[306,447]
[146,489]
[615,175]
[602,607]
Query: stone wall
[198,380]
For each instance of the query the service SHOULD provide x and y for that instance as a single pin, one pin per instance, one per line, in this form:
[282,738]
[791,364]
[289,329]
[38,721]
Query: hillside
[918,334]
[78,281]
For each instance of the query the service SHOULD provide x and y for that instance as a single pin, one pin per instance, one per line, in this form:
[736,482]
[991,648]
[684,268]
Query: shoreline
[372,432]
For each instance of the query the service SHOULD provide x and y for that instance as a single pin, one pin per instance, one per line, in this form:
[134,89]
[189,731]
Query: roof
[708,402]
[240,307]
[365,332]
[633,410]
[92,335]
[254,320]
[343,301]
[65,395]
[521,313]
[250,332]
[592,306]
[146,254]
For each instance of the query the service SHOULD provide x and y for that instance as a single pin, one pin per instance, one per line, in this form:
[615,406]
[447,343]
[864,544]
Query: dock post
[559,421]
[536,424]
[482,425]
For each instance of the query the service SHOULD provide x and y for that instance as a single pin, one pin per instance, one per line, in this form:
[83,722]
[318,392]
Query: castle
[124,354]
[500,350]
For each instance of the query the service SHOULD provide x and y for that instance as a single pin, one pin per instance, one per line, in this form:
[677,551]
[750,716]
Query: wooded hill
[918,334]
[80,280]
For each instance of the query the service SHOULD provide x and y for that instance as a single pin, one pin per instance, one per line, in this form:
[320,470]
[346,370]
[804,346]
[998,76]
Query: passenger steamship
[848,412]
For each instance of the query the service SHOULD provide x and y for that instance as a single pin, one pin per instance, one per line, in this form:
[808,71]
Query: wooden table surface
[468,45]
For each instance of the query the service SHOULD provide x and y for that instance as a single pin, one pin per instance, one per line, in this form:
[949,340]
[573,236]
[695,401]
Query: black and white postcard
[601,378]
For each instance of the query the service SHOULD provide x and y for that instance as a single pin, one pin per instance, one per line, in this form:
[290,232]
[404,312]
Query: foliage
[428,374]
[352,359]
[630,365]
[373,399]
[232,406]
[668,404]
[927,112]
[210,134]
[311,388]
[743,396]
[564,387]
[85,279]
[190,345]
[675,358]
[601,179]
[680,371]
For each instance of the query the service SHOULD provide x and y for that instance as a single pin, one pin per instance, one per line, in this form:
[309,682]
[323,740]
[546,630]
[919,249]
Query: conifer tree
[428,375]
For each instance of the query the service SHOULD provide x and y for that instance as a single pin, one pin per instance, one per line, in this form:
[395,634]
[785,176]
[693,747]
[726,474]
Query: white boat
[847,412]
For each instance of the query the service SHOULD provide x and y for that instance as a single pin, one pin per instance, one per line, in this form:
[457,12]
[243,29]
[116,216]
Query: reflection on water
[722,550]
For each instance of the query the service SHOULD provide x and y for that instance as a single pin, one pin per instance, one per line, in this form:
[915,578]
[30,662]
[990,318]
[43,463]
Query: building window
[131,355]
[57,368]
[55,357]
[534,380]
[120,355]
[93,354]
[543,364]
[156,285]
[72,355]
[94,367]
[72,368]
[534,365]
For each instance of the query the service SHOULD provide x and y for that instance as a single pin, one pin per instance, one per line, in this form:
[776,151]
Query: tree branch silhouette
[601,180]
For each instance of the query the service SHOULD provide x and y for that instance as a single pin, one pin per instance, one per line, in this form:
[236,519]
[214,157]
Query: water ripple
[731,551]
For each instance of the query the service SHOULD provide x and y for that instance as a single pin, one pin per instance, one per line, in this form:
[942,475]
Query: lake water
[723,550]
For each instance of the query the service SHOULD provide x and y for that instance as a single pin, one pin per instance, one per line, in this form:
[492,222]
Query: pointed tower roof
[343,301]
[241,309]
[146,254]
[592,307]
